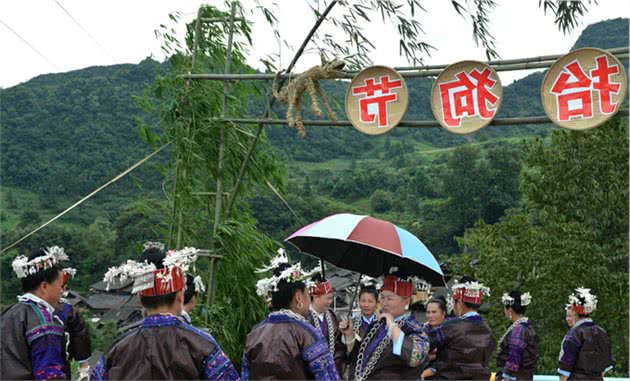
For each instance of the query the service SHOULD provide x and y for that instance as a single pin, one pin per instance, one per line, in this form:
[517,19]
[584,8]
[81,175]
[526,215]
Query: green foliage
[571,232]
[102,334]
[205,150]
[380,201]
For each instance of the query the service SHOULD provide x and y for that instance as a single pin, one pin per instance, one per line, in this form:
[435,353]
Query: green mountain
[62,134]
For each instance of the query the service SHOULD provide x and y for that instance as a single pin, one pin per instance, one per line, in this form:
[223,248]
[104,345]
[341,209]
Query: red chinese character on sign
[378,96]
[468,96]
[573,89]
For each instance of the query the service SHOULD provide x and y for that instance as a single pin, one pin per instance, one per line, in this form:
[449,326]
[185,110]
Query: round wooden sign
[376,100]
[583,89]
[466,96]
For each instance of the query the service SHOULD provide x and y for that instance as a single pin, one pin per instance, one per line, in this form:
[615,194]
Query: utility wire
[85,30]
[31,46]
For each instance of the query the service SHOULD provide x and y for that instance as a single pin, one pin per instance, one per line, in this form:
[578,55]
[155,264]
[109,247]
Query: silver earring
[300,305]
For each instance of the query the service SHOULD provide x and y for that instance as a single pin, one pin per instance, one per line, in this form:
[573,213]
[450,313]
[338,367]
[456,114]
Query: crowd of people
[301,338]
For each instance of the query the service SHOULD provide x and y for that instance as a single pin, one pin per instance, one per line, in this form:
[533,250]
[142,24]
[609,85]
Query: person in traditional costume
[194,287]
[466,342]
[322,317]
[32,345]
[568,316]
[368,304]
[77,344]
[285,346]
[518,348]
[436,313]
[163,346]
[586,352]
[395,345]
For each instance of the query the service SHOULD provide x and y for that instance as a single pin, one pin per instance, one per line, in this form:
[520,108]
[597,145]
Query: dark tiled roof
[107,301]
[122,314]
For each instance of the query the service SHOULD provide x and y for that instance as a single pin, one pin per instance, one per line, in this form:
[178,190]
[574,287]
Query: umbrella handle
[321,265]
[354,297]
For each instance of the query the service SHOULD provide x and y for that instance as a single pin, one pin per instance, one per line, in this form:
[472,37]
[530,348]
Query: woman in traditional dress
[368,303]
[395,346]
[285,346]
[585,352]
[518,348]
[436,312]
[32,345]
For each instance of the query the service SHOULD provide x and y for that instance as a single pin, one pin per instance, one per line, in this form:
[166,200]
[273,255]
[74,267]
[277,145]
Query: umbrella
[368,246]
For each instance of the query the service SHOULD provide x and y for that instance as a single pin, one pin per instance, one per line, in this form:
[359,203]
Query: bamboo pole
[254,143]
[218,198]
[418,71]
[404,123]
[553,57]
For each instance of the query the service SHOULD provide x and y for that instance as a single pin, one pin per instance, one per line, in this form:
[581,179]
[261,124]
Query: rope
[110,182]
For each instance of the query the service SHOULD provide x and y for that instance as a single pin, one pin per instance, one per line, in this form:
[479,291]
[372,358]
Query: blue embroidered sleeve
[99,373]
[47,358]
[216,366]
[516,345]
[245,368]
[320,362]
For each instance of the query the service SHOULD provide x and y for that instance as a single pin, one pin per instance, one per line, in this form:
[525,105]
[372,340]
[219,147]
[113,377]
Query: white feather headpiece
[181,258]
[129,270]
[142,273]
[292,273]
[158,245]
[507,300]
[53,255]
[583,297]
[473,287]
[199,286]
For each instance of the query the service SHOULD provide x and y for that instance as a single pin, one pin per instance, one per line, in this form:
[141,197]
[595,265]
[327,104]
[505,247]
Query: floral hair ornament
[293,273]
[200,288]
[24,267]
[68,273]
[582,301]
[148,280]
[469,292]
[525,299]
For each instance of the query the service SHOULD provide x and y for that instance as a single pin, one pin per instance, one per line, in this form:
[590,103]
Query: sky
[52,36]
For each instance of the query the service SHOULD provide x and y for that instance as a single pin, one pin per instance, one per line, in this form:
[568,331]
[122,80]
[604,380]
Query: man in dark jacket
[466,343]
[163,346]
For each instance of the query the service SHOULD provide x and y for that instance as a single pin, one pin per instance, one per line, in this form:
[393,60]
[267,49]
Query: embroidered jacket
[164,347]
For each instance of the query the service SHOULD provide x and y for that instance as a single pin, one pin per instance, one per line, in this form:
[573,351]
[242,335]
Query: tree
[571,232]
[29,217]
[381,201]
